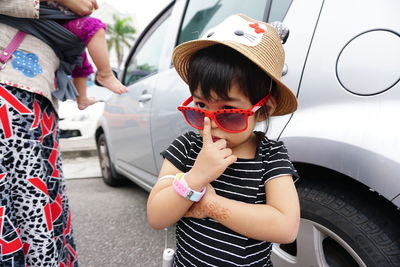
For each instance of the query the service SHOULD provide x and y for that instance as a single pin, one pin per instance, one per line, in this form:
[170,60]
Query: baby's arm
[277,221]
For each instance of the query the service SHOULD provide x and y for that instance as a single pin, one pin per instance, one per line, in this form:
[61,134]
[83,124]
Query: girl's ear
[270,106]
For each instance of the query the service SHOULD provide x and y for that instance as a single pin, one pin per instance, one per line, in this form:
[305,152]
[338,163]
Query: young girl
[229,189]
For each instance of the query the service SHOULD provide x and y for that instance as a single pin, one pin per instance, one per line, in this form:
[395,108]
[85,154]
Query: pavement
[110,223]
[79,157]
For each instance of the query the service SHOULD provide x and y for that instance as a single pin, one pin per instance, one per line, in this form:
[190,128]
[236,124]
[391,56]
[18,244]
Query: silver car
[343,62]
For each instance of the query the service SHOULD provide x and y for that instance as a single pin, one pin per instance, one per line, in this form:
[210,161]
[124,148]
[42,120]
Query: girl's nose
[213,123]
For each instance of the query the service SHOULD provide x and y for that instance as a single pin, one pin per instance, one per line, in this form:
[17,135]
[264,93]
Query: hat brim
[287,102]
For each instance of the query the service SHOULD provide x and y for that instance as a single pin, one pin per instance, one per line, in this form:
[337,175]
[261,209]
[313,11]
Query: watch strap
[182,188]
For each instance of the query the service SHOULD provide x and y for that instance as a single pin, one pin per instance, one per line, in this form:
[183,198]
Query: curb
[78,147]
[69,154]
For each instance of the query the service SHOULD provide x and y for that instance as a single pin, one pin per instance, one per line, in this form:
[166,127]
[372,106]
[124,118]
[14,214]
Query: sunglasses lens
[195,118]
[232,121]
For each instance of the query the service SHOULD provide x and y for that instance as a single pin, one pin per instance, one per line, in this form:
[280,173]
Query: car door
[131,140]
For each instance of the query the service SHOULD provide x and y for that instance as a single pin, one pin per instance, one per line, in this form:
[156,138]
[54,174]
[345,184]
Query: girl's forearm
[166,207]
[257,221]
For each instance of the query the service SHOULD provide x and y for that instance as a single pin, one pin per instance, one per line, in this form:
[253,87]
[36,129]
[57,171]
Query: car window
[278,10]
[147,56]
[203,15]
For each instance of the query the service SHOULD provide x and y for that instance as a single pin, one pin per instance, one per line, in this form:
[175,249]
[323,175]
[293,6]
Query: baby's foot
[109,81]
[85,102]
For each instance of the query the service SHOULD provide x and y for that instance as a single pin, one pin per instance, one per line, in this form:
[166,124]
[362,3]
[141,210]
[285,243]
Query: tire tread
[375,228]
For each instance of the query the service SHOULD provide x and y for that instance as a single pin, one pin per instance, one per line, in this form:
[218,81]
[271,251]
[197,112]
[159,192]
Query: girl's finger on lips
[207,138]
[221,143]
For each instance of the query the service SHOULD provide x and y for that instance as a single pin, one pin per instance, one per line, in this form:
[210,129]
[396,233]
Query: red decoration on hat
[257,28]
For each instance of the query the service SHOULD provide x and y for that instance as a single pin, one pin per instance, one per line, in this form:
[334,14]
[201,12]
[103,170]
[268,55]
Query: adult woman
[35,221]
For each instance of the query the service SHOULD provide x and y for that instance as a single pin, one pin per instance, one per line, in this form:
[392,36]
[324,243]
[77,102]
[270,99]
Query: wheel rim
[104,160]
[312,249]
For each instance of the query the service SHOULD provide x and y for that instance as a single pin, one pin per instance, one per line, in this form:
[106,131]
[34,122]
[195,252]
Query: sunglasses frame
[212,114]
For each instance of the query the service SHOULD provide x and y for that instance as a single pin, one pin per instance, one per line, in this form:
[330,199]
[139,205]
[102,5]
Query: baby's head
[239,50]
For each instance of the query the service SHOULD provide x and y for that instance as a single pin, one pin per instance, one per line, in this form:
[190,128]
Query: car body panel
[303,20]
[135,127]
[351,134]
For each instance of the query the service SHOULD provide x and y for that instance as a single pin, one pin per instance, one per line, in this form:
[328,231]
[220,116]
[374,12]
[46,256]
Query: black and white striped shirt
[205,242]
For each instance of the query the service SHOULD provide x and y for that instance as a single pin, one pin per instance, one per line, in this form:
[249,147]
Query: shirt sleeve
[278,164]
[177,153]
[20,8]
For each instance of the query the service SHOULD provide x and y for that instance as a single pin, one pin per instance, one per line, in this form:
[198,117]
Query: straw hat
[256,40]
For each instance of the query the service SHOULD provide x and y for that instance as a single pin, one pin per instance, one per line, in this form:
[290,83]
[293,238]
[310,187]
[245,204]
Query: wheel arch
[372,169]
[320,174]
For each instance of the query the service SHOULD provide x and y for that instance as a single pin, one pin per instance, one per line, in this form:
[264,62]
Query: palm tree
[119,35]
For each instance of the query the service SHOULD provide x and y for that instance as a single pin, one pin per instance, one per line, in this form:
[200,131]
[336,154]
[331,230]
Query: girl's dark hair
[215,67]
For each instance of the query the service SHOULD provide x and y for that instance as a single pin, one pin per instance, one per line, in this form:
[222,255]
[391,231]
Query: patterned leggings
[35,221]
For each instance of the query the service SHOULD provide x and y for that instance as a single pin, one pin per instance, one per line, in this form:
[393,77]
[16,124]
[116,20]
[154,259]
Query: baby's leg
[83,100]
[97,47]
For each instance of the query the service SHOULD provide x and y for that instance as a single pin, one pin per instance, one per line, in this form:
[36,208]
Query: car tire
[341,226]
[110,176]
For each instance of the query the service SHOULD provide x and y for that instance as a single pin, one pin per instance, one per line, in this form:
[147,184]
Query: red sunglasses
[229,120]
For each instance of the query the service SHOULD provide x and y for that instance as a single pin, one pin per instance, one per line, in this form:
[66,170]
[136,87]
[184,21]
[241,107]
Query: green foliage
[146,68]
[119,35]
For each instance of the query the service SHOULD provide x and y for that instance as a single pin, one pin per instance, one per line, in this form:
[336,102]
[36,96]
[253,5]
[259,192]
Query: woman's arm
[277,221]
[164,206]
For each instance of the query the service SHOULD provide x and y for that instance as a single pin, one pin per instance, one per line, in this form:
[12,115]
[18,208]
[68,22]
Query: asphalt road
[110,226]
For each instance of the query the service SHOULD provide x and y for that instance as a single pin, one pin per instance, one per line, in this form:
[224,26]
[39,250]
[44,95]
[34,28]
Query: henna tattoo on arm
[215,211]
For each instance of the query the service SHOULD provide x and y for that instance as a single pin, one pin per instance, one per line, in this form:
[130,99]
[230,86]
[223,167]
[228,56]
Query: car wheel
[110,176]
[341,226]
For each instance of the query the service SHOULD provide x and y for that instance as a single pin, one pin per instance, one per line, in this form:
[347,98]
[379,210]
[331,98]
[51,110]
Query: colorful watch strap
[182,188]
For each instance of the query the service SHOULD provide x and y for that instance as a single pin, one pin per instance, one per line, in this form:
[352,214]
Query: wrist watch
[182,188]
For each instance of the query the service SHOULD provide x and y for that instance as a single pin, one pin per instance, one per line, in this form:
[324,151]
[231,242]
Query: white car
[75,123]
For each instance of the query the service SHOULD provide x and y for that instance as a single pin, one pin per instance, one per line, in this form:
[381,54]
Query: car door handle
[144,98]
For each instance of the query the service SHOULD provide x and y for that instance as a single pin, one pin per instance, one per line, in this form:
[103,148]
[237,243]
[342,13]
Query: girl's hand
[212,160]
[80,7]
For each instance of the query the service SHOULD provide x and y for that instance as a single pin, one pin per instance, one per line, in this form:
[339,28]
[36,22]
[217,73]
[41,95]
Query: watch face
[189,194]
